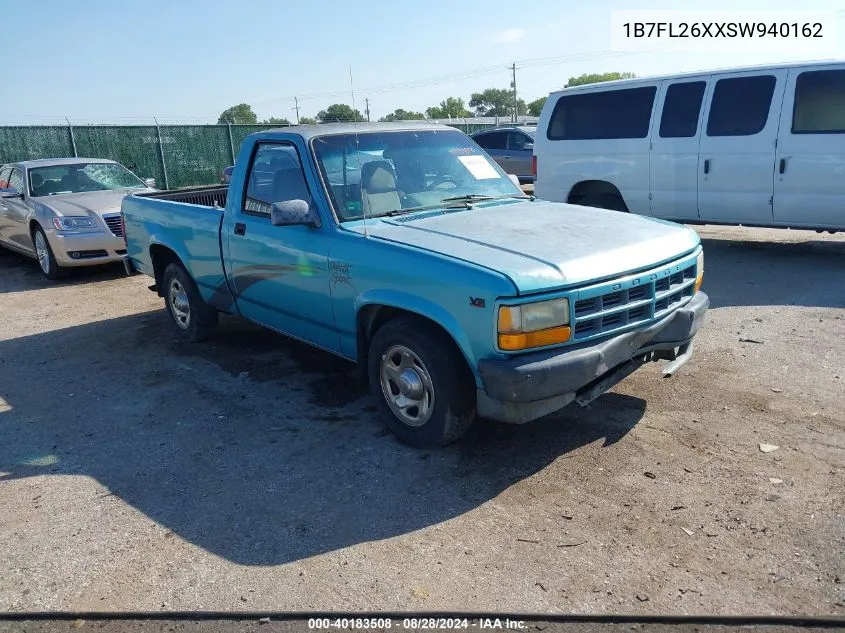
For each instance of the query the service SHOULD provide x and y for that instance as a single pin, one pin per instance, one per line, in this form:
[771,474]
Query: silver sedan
[65,212]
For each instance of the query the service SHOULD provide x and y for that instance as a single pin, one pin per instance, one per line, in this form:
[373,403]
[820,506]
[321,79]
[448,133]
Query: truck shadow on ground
[259,469]
[751,273]
[20,273]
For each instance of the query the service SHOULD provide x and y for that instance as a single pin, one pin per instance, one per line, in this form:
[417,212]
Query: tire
[191,317]
[44,254]
[608,201]
[431,366]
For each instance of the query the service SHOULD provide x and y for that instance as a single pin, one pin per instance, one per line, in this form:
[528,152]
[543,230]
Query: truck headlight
[699,271]
[73,222]
[533,324]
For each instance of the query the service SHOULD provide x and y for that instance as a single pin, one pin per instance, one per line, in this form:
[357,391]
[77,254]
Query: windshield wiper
[458,203]
[477,197]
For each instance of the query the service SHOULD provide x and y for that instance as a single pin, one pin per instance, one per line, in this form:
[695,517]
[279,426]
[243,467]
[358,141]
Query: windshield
[384,173]
[81,177]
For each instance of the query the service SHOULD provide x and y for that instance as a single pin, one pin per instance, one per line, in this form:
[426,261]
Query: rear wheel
[605,201]
[192,318]
[44,253]
[422,386]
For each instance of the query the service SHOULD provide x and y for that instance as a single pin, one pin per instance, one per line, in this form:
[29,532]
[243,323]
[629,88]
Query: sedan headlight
[699,271]
[533,324]
[73,222]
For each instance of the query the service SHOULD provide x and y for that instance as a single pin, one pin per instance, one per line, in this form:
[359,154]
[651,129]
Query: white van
[761,146]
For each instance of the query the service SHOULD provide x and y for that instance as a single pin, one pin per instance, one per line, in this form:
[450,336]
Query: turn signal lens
[541,338]
[699,271]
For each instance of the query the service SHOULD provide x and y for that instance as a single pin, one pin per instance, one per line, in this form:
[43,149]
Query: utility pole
[367,109]
[515,102]
[296,105]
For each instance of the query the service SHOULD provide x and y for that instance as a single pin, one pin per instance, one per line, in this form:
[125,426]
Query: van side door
[810,162]
[674,148]
[737,149]
[279,274]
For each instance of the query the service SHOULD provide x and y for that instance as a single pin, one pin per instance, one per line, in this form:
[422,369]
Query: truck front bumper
[526,387]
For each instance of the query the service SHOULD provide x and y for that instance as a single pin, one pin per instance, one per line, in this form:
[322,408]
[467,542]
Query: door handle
[240,228]
[706,165]
[506,156]
[782,167]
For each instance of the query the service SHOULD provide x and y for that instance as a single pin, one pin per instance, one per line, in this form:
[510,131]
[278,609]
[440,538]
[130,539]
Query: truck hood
[96,202]
[541,245]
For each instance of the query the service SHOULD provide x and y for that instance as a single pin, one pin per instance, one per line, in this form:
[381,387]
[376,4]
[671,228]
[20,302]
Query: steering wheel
[443,180]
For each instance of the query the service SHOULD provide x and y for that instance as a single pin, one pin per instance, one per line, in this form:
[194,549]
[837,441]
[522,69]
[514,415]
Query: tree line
[487,103]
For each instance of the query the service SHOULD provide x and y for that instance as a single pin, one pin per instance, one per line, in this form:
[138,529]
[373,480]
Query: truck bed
[214,196]
[185,222]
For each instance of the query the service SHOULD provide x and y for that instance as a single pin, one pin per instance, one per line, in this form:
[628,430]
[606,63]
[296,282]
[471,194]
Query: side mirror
[150,182]
[514,179]
[10,193]
[293,212]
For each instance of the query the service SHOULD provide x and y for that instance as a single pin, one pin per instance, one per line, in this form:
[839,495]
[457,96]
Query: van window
[740,105]
[819,103]
[681,109]
[608,114]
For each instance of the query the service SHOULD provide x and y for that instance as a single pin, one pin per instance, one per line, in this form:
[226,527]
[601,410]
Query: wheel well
[161,257]
[592,188]
[32,225]
[371,317]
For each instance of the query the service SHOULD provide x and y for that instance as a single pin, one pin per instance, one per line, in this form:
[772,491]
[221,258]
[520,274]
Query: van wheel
[44,253]
[192,318]
[605,201]
[422,386]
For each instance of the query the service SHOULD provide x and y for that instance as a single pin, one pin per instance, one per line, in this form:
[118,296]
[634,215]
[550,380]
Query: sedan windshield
[81,177]
[387,173]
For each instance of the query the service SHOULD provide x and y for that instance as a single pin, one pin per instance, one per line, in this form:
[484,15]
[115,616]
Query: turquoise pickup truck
[407,249]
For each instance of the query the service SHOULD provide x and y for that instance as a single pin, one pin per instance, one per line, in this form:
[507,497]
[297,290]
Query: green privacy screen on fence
[175,155]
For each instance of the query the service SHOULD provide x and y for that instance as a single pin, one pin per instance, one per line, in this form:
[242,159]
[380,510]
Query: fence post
[72,139]
[231,142]
[161,153]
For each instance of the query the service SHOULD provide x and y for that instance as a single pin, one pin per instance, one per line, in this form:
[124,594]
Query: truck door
[279,274]
[737,150]
[674,148]
[810,162]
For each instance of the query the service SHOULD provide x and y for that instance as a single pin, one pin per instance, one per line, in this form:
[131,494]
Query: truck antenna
[357,152]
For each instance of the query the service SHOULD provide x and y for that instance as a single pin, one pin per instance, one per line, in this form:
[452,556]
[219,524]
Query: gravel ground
[251,472]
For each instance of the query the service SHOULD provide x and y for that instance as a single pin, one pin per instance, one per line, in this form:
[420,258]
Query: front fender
[423,307]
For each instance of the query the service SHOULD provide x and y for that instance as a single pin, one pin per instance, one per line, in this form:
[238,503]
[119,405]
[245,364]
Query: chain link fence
[175,155]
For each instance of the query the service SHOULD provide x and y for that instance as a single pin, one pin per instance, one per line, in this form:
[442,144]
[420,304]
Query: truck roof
[50,162]
[327,129]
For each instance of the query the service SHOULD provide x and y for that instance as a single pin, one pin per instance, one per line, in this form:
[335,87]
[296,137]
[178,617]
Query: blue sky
[186,60]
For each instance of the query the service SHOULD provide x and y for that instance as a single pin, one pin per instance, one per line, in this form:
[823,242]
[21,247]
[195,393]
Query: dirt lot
[137,472]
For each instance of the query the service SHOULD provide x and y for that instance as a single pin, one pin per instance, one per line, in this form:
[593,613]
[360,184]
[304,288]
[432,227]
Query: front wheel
[422,386]
[192,318]
[44,253]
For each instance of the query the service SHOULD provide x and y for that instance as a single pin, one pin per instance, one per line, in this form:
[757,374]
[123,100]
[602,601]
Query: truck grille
[113,222]
[619,304]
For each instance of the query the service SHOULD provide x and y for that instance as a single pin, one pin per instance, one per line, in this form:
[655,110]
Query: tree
[402,115]
[495,102]
[339,112]
[451,107]
[274,121]
[594,78]
[239,114]
[307,120]
[536,106]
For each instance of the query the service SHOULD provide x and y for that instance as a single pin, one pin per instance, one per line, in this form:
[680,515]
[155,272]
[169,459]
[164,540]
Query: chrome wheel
[42,251]
[406,385]
[180,307]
